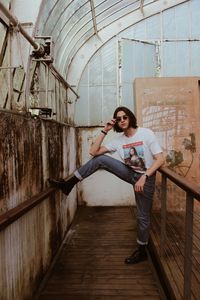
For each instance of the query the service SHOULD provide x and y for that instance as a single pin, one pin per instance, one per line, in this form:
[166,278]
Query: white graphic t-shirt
[136,151]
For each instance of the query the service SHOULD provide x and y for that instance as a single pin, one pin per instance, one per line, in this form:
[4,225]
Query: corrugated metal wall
[32,150]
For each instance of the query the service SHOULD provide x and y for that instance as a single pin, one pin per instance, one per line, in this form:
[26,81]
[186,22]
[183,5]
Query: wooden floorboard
[91,263]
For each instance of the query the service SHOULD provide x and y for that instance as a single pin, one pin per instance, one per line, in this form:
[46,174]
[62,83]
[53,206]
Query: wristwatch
[145,174]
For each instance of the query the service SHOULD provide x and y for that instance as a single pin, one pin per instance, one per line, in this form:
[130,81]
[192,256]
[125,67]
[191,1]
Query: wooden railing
[192,192]
[15,213]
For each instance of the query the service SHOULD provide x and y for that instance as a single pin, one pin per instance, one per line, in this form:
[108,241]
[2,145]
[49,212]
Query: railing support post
[188,246]
[163,212]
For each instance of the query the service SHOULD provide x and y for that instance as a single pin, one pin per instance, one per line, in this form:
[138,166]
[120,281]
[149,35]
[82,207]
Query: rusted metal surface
[91,262]
[33,217]
[15,213]
[20,152]
[170,107]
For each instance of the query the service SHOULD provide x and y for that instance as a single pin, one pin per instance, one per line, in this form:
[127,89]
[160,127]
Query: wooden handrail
[15,213]
[180,181]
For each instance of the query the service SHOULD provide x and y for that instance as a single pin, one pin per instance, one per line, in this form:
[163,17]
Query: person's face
[122,120]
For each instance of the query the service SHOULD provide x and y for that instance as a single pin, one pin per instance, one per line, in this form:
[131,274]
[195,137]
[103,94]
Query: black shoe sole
[60,184]
[129,261]
[57,183]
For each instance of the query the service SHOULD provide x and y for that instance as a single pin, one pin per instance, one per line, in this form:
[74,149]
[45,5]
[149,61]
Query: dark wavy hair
[131,116]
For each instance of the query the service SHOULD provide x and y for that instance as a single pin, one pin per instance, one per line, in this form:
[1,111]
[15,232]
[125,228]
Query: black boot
[138,255]
[64,185]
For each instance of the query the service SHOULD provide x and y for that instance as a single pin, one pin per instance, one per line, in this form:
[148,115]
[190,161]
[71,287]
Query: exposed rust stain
[79,149]
[21,171]
[54,141]
[20,138]
[55,238]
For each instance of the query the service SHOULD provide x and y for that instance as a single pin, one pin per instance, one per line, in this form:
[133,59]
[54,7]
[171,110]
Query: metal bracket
[47,44]
[41,111]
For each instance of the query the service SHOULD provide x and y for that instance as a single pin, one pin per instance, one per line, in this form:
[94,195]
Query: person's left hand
[139,185]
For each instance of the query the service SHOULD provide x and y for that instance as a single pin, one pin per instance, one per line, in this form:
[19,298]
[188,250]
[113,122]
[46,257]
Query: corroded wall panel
[171,107]
[32,150]
[21,168]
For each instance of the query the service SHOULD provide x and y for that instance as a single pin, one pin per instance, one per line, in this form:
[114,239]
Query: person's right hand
[109,125]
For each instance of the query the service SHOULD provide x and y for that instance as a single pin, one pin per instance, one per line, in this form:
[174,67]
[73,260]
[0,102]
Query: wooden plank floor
[91,263]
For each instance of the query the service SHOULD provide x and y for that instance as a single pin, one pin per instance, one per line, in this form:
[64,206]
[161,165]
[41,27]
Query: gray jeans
[143,199]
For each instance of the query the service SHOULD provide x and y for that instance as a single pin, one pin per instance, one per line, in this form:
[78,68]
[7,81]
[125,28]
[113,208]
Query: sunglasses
[119,119]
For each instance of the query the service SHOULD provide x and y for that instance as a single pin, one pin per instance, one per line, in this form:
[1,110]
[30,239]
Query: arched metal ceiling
[80,27]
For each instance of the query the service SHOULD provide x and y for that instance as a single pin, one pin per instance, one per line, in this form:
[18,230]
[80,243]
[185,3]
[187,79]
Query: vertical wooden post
[163,212]
[188,246]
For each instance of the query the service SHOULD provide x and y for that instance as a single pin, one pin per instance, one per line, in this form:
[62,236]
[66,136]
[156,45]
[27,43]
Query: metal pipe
[15,23]
[62,79]
[37,47]
[6,68]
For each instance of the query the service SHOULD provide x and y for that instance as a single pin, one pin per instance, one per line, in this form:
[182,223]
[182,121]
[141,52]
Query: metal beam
[93,16]
[4,19]
[61,79]
[141,6]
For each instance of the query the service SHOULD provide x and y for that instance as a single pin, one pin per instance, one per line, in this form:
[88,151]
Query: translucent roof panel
[72,23]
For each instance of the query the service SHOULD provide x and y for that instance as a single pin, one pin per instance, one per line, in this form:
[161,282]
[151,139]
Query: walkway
[91,262]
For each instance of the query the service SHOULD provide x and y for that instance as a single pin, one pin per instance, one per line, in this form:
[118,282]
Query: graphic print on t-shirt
[134,156]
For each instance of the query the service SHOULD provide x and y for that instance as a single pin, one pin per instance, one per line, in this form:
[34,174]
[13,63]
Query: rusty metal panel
[32,150]
[28,246]
[20,139]
[170,107]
